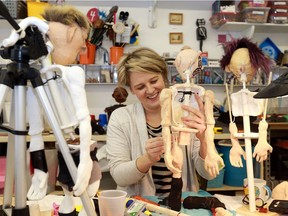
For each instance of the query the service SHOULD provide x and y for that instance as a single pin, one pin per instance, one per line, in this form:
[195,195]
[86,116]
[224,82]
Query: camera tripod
[16,76]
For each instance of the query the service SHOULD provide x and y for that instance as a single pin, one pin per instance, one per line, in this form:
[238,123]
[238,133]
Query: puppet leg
[91,190]
[195,202]
[67,204]
[212,160]
[38,188]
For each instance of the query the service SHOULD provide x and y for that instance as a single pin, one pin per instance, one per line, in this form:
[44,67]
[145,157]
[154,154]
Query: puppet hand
[222,212]
[212,162]
[83,175]
[169,161]
[261,151]
[235,155]
[38,188]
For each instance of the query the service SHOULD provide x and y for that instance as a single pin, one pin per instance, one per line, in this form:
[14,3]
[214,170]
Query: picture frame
[176,38]
[176,18]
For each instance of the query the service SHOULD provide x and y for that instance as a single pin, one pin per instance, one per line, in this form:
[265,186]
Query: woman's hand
[154,148]
[196,118]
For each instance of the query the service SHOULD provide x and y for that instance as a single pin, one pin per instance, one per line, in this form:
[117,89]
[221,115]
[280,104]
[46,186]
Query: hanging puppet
[175,133]
[65,33]
[244,59]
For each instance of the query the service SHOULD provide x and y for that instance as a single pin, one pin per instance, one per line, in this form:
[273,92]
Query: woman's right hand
[154,148]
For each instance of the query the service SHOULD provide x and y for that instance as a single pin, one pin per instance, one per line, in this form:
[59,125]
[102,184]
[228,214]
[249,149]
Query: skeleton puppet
[243,58]
[65,33]
[187,64]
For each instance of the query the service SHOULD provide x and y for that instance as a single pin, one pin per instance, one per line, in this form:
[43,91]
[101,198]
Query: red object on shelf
[219,19]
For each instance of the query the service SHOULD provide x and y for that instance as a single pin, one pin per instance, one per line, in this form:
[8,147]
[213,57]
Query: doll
[243,58]
[65,32]
[175,133]
[120,95]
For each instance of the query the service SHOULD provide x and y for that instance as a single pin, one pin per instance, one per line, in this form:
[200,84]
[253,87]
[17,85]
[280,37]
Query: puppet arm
[169,155]
[75,76]
[262,147]
[236,151]
[38,188]
[212,160]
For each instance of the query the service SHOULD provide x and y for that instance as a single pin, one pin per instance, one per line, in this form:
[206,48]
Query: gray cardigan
[126,137]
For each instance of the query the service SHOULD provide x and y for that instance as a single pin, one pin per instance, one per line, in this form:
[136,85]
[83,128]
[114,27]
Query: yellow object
[218,130]
[36,8]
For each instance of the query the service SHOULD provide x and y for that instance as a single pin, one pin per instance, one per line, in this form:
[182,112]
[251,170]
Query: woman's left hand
[196,118]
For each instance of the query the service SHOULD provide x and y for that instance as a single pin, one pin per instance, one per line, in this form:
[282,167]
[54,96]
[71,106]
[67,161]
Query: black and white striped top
[162,176]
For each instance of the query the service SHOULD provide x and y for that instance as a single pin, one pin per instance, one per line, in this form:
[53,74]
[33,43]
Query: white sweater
[126,137]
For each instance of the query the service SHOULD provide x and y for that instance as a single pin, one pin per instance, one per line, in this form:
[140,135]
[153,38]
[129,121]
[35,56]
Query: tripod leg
[63,146]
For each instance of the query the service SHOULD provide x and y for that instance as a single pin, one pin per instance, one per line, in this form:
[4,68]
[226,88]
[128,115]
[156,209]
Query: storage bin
[279,18]
[218,181]
[255,14]
[277,3]
[223,6]
[219,19]
[252,3]
[234,175]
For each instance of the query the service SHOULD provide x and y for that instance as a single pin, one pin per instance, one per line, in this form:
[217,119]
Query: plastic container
[277,3]
[223,6]
[233,175]
[218,181]
[255,14]
[252,3]
[279,18]
[279,10]
[219,19]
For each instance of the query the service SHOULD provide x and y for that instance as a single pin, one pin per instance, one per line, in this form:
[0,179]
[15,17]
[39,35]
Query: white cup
[112,202]
[261,189]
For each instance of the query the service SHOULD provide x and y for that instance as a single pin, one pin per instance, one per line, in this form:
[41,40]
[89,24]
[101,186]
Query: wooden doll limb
[236,151]
[213,159]
[222,212]
[262,147]
[166,107]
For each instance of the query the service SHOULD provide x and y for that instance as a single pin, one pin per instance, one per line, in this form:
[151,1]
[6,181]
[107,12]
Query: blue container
[234,176]
[218,181]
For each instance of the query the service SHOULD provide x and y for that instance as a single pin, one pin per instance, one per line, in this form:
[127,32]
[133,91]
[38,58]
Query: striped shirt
[162,176]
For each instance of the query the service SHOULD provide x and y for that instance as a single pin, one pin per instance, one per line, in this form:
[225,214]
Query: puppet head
[68,30]
[120,94]
[243,56]
[187,59]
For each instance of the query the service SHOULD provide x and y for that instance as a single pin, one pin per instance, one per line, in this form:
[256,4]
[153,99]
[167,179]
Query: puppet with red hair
[244,59]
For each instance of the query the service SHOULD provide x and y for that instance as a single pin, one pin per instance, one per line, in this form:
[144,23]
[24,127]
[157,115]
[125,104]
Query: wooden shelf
[51,138]
[226,188]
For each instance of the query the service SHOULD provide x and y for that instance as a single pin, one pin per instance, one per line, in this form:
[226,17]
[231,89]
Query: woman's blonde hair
[141,60]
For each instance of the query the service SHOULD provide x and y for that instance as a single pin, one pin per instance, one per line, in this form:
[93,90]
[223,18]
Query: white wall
[99,96]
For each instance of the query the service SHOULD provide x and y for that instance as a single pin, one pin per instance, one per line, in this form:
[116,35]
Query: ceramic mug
[261,189]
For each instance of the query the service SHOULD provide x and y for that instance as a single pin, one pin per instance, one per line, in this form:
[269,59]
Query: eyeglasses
[258,201]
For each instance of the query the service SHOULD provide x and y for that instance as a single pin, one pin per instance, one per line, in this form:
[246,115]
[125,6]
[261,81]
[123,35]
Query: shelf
[259,27]
[226,188]
[51,138]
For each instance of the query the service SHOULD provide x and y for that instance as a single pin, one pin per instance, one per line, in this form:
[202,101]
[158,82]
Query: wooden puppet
[243,58]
